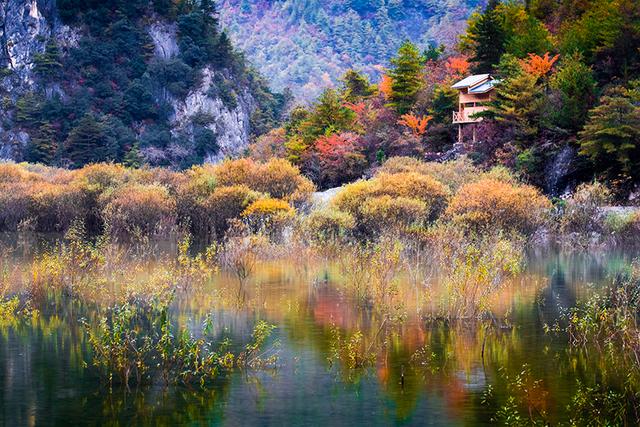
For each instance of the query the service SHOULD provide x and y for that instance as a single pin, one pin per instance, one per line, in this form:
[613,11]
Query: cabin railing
[465,116]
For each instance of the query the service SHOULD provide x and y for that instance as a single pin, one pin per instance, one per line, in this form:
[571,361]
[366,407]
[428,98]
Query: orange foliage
[418,125]
[538,65]
[494,204]
[386,86]
[458,65]
[365,113]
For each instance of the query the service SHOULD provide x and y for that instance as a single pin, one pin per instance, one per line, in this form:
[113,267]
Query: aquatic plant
[133,344]
[370,272]
[473,270]
[608,322]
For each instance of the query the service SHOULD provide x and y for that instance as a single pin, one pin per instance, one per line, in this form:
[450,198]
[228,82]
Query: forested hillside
[307,45]
[133,81]
[566,107]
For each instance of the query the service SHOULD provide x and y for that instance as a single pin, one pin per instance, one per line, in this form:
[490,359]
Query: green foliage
[406,75]
[328,115]
[86,142]
[488,37]
[518,105]
[576,84]
[48,64]
[611,136]
[356,86]
[443,102]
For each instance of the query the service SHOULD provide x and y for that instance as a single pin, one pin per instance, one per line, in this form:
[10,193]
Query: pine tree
[42,147]
[489,37]
[356,86]
[86,142]
[576,84]
[133,158]
[48,64]
[518,106]
[406,75]
[328,116]
[611,137]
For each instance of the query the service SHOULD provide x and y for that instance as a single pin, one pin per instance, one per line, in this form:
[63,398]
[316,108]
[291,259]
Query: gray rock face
[230,125]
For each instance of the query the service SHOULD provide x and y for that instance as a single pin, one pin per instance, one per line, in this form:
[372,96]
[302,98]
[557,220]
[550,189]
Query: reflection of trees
[43,379]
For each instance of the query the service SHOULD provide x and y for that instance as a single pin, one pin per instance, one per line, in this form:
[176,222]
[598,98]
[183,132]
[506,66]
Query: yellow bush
[350,198]
[282,180]
[137,208]
[16,204]
[277,177]
[12,172]
[56,207]
[412,197]
[494,204]
[269,215]
[453,174]
[268,207]
[328,224]
[386,213]
[225,204]
[414,186]
[99,177]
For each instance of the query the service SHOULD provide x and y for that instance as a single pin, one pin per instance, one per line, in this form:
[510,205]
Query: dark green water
[44,380]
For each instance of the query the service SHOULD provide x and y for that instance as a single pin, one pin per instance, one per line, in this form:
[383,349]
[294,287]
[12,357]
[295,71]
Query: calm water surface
[43,381]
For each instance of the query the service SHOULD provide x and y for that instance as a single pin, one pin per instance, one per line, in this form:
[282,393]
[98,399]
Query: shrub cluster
[407,194]
[149,200]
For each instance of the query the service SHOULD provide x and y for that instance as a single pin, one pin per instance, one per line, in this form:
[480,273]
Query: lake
[424,372]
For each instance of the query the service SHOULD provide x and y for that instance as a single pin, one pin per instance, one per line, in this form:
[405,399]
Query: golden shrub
[414,186]
[582,209]
[137,208]
[56,207]
[16,204]
[268,207]
[385,212]
[282,180]
[99,177]
[225,204]
[350,198]
[452,174]
[156,175]
[328,224]
[269,215]
[12,172]
[413,197]
[277,177]
[495,204]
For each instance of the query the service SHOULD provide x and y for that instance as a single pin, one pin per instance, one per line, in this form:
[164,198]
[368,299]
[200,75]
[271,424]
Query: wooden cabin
[475,93]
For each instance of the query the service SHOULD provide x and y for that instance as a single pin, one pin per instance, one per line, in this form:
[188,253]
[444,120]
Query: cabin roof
[471,81]
[483,87]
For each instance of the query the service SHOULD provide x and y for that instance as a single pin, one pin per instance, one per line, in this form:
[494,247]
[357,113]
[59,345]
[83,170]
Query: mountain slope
[125,80]
[308,44]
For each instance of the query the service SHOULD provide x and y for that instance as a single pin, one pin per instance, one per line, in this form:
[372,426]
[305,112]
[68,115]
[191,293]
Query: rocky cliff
[123,76]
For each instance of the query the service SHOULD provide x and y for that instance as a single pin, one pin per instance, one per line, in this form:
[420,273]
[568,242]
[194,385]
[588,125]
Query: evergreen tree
[86,142]
[48,64]
[42,147]
[133,158]
[445,100]
[433,52]
[518,106]
[328,116]
[611,137]
[406,75]
[356,86]
[489,38]
[576,84]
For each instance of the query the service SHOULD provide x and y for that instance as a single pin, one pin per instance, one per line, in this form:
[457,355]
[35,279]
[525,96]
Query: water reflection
[432,373]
